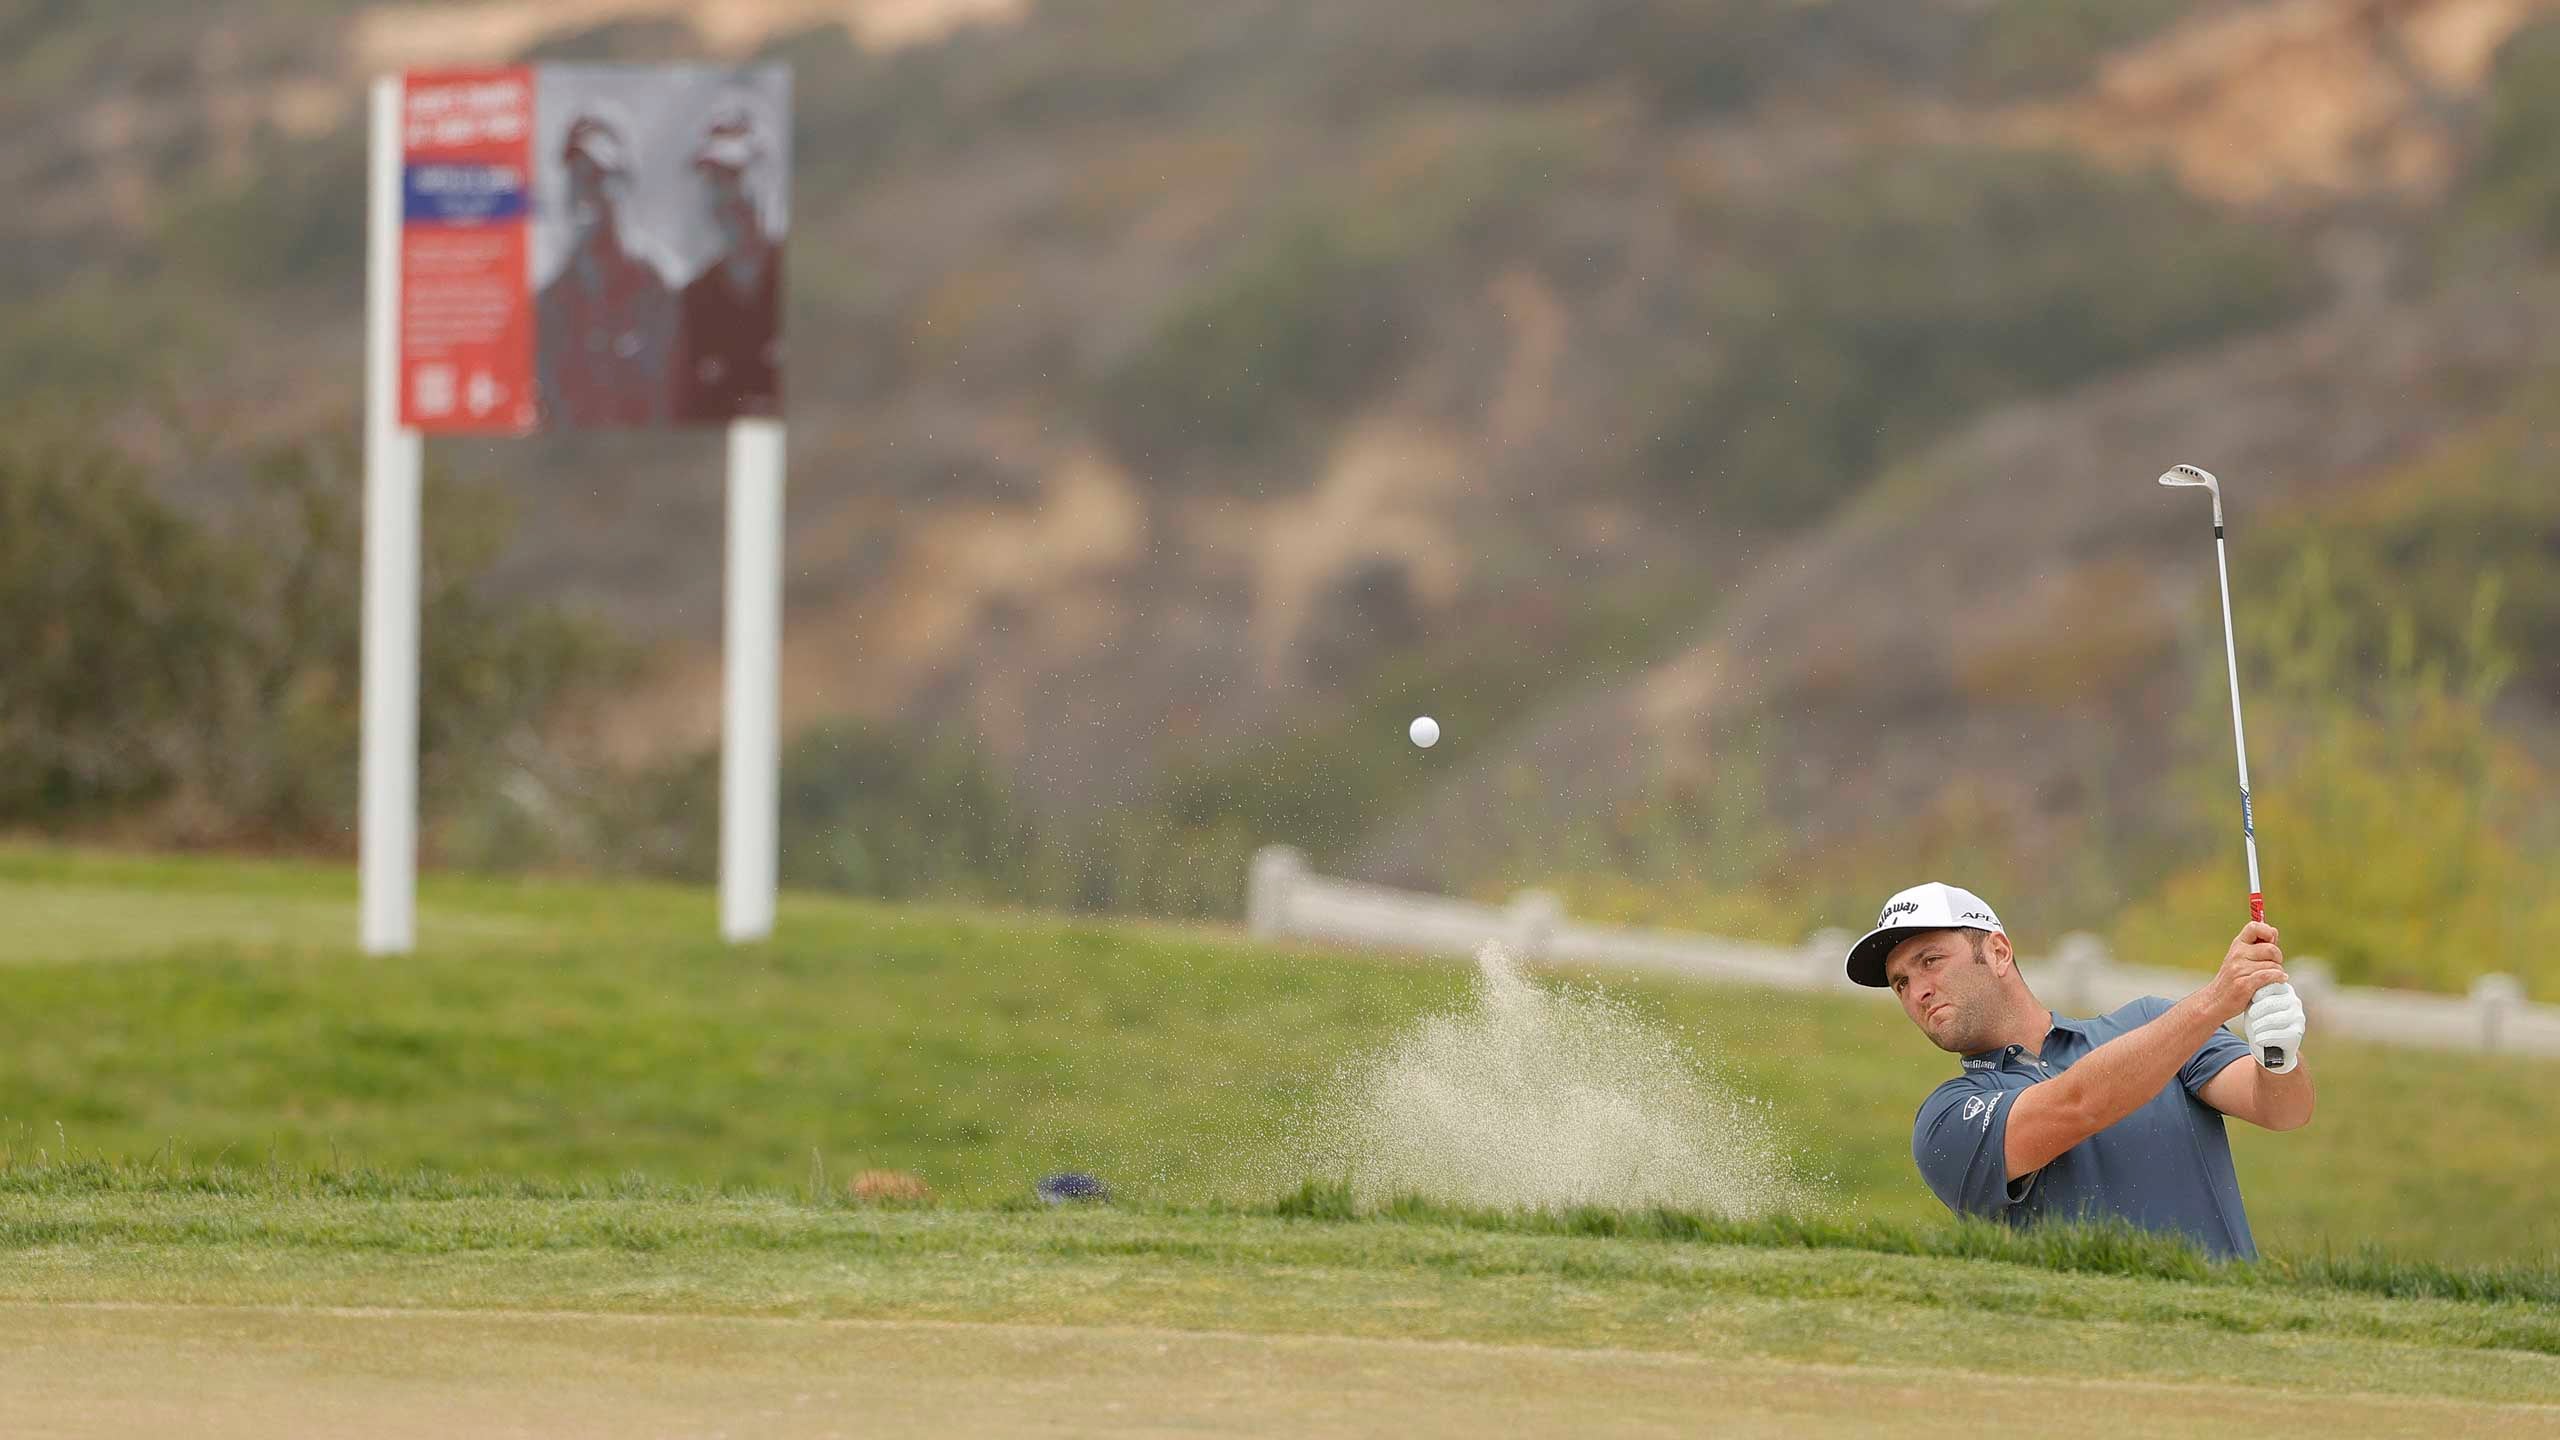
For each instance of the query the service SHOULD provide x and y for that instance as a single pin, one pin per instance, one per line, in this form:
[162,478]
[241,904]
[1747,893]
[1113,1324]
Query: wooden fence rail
[2078,977]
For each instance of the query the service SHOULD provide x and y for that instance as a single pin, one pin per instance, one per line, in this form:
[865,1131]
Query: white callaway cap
[1922,907]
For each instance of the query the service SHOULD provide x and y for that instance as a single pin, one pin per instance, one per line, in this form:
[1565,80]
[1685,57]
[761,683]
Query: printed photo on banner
[662,197]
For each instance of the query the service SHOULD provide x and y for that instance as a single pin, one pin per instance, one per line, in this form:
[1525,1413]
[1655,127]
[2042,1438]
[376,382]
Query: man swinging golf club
[2119,1116]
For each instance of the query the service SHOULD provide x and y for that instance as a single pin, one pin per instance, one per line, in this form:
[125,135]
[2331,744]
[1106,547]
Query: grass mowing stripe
[495,1230]
[1372,1277]
[181,1205]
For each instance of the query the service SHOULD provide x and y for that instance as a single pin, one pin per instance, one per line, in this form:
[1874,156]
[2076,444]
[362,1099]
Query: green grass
[97,1202]
[2113,1305]
[555,1034]
[581,1031]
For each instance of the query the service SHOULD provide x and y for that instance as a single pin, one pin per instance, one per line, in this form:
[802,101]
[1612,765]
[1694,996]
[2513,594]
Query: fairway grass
[426,1297]
[214,1011]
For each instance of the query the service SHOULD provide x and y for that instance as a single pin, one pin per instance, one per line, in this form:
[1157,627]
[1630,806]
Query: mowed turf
[138,1300]
[215,1011]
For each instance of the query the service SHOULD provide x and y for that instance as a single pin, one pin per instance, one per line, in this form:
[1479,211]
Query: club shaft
[2239,733]
[2271,1056]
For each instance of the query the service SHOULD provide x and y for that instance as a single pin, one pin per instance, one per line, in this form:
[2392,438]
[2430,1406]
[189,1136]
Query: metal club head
[2191,475]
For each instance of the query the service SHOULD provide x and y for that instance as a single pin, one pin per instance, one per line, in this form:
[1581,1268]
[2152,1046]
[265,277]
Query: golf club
[2273,1057]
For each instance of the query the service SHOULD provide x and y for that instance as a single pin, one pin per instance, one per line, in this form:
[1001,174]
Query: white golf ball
[1424,730]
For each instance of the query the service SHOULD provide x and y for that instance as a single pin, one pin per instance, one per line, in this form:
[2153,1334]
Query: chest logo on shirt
[1979,1107]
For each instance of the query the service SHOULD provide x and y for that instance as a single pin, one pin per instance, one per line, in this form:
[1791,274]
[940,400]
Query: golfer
[2119,1116]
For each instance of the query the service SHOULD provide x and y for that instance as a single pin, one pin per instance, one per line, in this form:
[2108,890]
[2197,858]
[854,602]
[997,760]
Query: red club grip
[2258,908]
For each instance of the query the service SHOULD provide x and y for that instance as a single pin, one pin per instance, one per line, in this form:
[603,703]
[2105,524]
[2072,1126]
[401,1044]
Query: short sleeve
[2211,1058]
[1960,1141]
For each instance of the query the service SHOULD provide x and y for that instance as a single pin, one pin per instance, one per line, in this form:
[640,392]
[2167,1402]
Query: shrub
[2412,550]
[868,810]
[203,683]
[2511,195]
[2030,46]
[121,623]
[2398,823]
[1256,361]
[1923,287]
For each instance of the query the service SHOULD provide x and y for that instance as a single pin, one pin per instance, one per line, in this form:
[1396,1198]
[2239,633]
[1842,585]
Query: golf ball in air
[1424,730]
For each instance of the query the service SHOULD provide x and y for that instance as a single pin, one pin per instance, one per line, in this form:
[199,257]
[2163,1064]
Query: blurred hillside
[1733,418]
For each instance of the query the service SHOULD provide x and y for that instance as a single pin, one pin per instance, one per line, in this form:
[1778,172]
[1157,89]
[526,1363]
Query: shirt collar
[1992,1059]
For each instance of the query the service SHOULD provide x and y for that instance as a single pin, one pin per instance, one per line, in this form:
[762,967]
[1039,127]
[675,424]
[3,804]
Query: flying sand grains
[1543,1098]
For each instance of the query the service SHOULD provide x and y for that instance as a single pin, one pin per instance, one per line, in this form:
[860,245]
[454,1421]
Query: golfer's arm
[2247,1090]
[2053,1115]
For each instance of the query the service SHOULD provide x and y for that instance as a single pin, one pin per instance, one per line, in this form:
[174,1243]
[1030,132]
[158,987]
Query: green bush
[120,621]
[2032,46]
[863,810]
[23,22]
[1702,853]
[2412,549]
[202,683]
[873,811]
[867,810]
[2400,830]
[294,220]
[1325,785]
[1686,56]
[2511,195]
[1259,359]
[1923,287]
[1683,58]
[93,336]
[1250,369]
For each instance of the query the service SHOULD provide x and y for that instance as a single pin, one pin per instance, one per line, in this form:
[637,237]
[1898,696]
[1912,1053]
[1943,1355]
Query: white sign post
[387,819]
[751,659]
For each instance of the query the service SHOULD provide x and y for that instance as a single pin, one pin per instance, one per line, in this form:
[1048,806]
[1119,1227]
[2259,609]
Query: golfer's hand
[2252,962]
[2275,1018]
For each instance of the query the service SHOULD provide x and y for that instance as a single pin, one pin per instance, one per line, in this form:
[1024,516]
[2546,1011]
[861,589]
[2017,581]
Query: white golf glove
[2275,1021]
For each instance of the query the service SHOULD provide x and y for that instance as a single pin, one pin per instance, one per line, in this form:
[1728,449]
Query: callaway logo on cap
[1922,907]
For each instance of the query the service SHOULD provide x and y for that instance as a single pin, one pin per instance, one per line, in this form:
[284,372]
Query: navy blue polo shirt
[2166,1166]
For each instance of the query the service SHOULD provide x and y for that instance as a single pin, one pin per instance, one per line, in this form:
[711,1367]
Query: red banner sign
[466,313]
[592,246]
